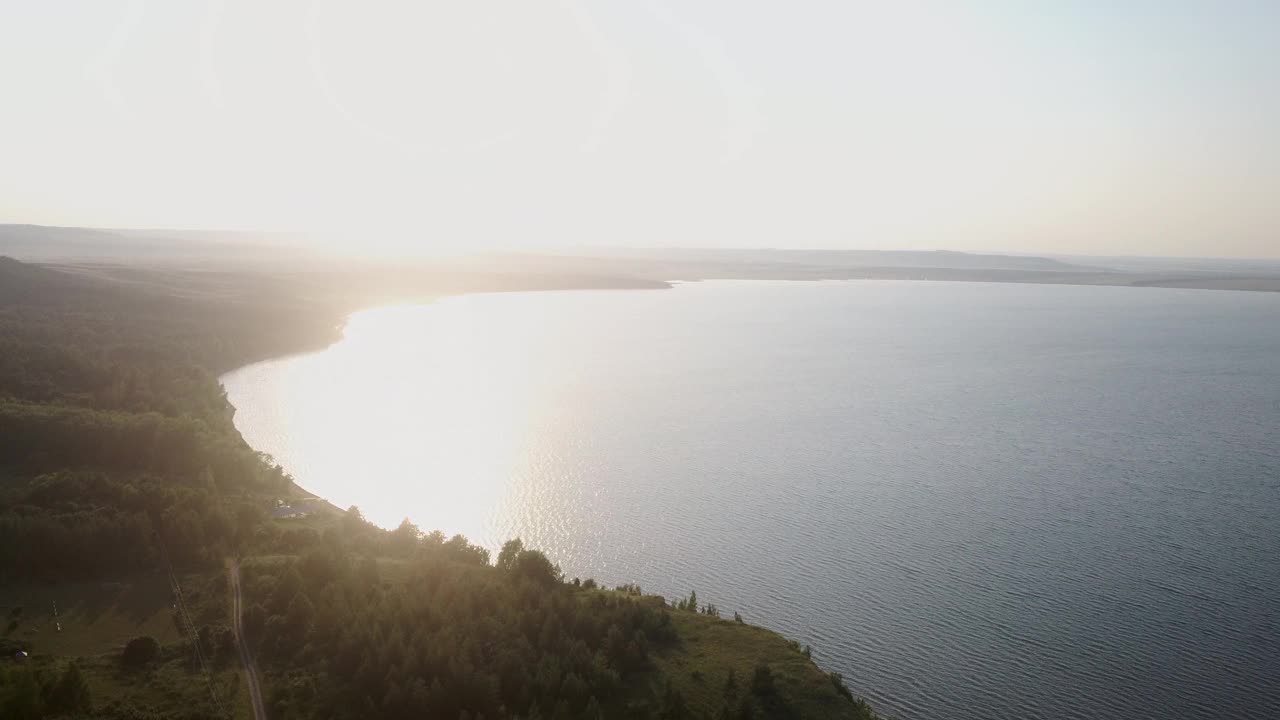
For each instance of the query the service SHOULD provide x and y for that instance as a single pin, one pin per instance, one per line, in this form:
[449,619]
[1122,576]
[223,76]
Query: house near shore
[300,509]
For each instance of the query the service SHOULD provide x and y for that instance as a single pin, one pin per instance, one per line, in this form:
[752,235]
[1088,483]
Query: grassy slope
[709,647]
[97,618]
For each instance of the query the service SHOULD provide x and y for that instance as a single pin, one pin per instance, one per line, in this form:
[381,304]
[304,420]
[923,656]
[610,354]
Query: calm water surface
[975,501]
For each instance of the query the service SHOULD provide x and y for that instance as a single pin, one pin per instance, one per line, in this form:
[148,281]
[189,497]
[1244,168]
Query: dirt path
[250,670]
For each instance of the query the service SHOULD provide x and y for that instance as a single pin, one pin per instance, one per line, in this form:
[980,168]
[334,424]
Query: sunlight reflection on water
[974,500]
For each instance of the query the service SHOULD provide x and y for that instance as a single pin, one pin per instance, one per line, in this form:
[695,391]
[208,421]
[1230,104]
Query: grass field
[698,666]
[94,620]
[91,617]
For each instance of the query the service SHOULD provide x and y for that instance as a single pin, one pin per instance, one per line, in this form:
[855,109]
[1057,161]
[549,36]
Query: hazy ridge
[291,251]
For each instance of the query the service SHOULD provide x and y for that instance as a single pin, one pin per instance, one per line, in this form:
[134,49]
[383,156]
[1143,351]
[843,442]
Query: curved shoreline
[340,329]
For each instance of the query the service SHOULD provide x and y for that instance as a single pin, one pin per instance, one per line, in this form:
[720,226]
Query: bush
[140,651]
[762,682]
[837,680]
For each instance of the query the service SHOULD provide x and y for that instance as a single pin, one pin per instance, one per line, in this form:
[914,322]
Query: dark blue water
[975,501]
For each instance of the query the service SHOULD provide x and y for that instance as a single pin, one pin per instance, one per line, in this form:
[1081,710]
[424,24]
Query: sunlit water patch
[976,501]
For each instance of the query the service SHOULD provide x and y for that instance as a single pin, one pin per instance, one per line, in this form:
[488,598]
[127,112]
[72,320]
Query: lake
[974,500]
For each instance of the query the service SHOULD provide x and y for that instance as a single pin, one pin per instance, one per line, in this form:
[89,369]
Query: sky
[1128,127]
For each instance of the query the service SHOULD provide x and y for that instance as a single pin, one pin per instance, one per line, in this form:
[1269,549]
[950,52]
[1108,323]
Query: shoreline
[340,334]
[339,328]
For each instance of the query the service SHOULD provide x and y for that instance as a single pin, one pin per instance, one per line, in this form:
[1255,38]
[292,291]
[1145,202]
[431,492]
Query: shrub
[141,650]
[842,689]
[762,682]
[69,693]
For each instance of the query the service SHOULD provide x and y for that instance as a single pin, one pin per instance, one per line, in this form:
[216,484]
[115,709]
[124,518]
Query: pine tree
[71,691]
[673,704]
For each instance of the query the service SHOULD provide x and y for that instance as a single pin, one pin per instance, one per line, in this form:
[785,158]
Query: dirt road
[250,670]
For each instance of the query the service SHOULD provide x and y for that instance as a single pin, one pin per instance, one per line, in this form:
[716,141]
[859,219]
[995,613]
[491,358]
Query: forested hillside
[113,427]
[125,490]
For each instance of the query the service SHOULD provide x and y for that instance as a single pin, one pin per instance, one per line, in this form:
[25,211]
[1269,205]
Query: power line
[176,587]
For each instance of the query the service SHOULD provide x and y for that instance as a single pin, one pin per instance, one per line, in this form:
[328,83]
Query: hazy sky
[1113,126]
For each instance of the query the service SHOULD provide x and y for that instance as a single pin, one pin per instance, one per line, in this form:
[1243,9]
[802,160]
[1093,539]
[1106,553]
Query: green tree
[533,565]
[255,621]
[70,693]
[140,651]
[405,538]
[511,550]
[673,705]
[20,697]
[225,647]
[300,616]
[368,572]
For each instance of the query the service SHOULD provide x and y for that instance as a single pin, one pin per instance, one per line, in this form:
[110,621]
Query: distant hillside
[234,252]
[692,265]
[1233,266]
[848,258]
[48,244]
[33,284]
[39,242]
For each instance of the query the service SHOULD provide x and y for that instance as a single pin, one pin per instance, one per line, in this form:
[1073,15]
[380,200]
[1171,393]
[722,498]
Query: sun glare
[452,400]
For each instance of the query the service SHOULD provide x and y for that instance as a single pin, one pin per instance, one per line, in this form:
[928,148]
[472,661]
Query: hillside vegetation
[125,489]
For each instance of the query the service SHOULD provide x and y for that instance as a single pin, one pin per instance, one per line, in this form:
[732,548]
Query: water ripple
[1063,506]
